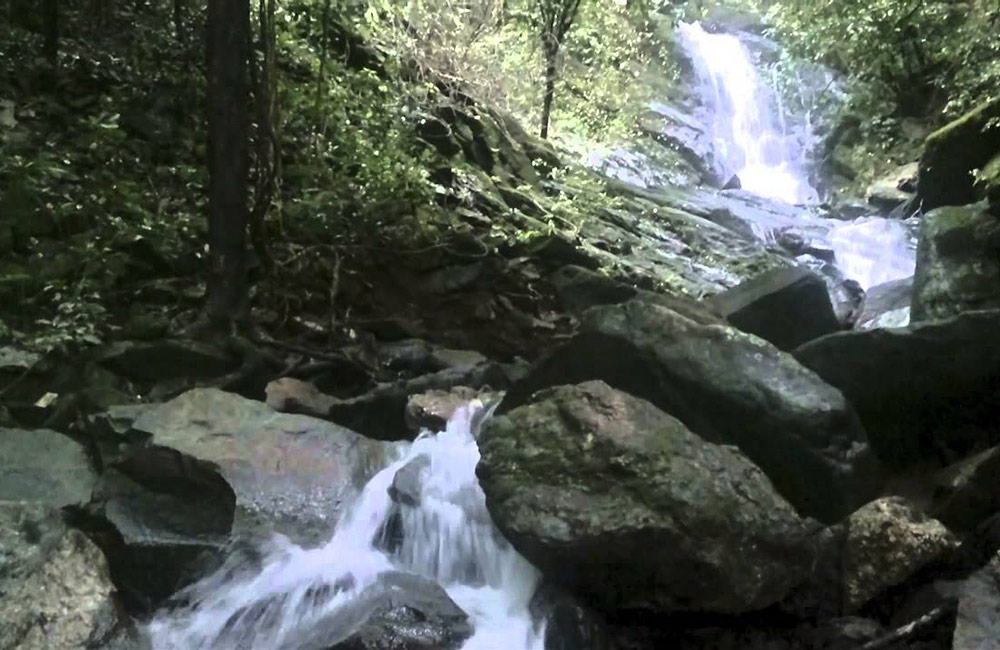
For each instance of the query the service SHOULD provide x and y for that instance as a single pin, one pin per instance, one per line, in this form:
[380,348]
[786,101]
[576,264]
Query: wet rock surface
[926,392]
[292,473]
[727,387]
[616,500]
[886,305]
[405,612]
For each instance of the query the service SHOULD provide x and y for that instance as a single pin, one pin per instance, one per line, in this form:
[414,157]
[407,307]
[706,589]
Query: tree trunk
[51,45]
[179,20]
[228,160]
[551,50]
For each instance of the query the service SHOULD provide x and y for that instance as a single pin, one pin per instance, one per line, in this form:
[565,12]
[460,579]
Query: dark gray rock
[569,623]
[407,482]
[977,626]
[886,305]
[785,306]
[967,492]
[406,612]
[167,359]
[619,502]
[291,472]
[56,588]
[926,392]
[958,262]
[157,514]
[44,466]
[727,387]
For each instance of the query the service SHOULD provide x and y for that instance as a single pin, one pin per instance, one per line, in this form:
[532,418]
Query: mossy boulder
[988,184]
[621,503]
[958,262]
[953,153]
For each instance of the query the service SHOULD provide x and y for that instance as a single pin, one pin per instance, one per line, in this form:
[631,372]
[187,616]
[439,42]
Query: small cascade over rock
[749,141]
[423,515]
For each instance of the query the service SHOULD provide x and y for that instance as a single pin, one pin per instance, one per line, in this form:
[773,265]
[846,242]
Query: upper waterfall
[747,138]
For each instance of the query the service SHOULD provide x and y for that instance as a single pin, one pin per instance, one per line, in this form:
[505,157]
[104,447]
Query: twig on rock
[911,629]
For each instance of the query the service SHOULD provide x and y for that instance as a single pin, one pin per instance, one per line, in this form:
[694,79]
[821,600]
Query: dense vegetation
[104,162]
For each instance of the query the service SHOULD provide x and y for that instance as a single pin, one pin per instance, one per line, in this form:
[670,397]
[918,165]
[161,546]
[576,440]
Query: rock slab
[728,387]
[926,392]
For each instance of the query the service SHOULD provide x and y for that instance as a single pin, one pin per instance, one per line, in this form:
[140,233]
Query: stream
[293,598]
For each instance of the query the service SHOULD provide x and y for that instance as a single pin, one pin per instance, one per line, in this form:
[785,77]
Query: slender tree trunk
[51,8]
[551,50]
[228,35]
[179,20]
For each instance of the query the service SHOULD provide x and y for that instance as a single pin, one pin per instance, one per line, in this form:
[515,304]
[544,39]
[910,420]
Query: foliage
[491,49]
[910,57]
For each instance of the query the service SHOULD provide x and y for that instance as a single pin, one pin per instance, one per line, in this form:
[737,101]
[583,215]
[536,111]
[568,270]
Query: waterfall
[299,599]
[746,140]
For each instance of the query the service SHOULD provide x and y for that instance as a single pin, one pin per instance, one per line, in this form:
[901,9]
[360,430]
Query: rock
[892,190]
[578,289]
[886,542]
[620,503]
[167,359]
[958,262]
[987,184]
[967,492]
[785,306]
[445,358]
[381,412]
[886,305]
[433,409]
[406,612]
[846,296]
[407,482]
[733,183]
[44,466]
[728,387]
[57,592]
[977,626]
[952,153]
[408,354]
[157,514]
[926,392]
[569,623]
[291,472]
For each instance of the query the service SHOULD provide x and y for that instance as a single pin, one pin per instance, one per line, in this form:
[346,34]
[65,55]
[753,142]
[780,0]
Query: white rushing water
[296,599]
[747,139]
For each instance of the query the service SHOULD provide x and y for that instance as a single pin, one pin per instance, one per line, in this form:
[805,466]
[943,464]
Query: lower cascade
[310,599]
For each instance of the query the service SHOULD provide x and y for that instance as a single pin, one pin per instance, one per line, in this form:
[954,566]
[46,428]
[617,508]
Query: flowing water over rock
[304,599]
[748,140]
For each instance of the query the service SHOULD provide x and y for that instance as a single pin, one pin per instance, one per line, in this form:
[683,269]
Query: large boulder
[619,502]
[953,152]
[55,585]
[785,306]
[161,517]
[44,466]
[958,262]
[728,387]
[290,472]
[926,392]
